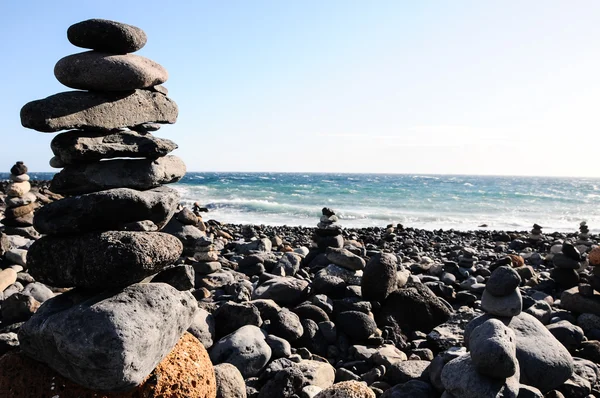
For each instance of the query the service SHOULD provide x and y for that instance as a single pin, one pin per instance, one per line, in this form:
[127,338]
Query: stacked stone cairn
[566,266]
[111,331]
[536,233]
[20,202]
[502,296]
[510,350]
[491,361]
[206,256]
[584,234]
[329,231]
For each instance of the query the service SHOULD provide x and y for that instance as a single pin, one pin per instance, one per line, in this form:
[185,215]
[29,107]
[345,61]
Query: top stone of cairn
[108,36]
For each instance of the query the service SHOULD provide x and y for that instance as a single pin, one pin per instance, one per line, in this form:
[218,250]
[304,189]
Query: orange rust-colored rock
[185,373]
[594,256]
[517,261]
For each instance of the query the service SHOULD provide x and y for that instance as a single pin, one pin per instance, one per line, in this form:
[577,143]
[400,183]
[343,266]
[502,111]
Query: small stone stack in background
[566,266]
[584,235]
[536,233]
[329,232]
[20,203]
[206,257]
[110,332]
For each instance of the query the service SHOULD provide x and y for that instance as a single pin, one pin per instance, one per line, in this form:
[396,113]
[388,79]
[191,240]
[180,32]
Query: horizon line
[374,173]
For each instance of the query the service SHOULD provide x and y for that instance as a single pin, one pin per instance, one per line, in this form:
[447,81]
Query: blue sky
[461,87]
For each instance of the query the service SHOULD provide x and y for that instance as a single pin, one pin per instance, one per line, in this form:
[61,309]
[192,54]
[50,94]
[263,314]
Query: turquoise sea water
[423,201]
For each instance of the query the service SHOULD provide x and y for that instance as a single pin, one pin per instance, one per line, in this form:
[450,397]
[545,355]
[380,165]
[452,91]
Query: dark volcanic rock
[106,35]
[93,70]
[414,307]
[101,260]
[379,277]
[287,325]
[358,325]
[107,210]
[139,174]
[98,110]
[231,316]
[286,383]
[181,277]
[115,339]
[504,281]
[78,146]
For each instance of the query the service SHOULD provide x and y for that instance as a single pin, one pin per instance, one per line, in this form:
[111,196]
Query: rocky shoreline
[110,287]
[294,319]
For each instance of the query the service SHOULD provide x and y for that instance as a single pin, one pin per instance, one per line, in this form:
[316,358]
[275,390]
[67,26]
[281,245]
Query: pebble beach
[114,283]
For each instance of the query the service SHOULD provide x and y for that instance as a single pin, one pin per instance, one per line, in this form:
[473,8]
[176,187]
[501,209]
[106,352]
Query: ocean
[420,201]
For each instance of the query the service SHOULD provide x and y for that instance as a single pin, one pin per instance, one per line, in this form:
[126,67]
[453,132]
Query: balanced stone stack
[111,331]
[509,350]
[584,234]
[566,265]
[206,257]
[536,233]
[502,296]
[329,231]
[20,203]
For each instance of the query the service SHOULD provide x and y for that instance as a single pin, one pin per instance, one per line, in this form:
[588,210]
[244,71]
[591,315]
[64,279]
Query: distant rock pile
[566,265]
[329,231]
[110,332]
[20,203]
[584,234]
[536,233]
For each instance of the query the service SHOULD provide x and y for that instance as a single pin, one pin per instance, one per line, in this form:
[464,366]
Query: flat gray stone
[101,260]
[110,341]
[572,300]
[106,210]
[98,110]
[402,372]
[509,305]
[138,174]
[79,146]
[285,291]
[17,201]
[345,258]
[93,70]
[106,35]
